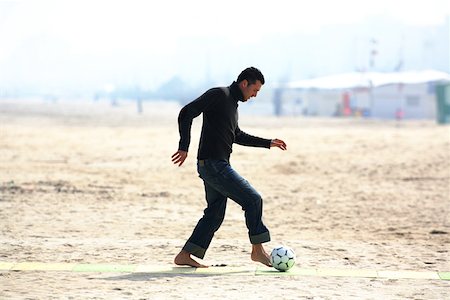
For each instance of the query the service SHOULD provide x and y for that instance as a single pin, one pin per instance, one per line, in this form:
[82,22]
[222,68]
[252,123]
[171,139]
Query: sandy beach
[92,183]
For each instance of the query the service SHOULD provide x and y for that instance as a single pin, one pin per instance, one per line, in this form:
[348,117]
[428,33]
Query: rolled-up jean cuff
[260,238]
[195,250]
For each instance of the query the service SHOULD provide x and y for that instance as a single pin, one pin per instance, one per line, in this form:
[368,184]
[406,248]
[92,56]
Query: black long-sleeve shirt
[220,124]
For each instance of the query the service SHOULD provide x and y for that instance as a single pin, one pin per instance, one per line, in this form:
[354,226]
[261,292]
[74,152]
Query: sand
[91,183]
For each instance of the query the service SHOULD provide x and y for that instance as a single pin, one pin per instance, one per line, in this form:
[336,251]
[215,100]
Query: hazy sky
[133,37]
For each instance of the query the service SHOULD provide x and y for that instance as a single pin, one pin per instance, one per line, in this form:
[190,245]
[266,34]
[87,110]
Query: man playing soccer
[219,131]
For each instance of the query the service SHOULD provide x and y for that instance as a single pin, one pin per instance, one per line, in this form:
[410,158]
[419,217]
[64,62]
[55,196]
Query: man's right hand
[179,157]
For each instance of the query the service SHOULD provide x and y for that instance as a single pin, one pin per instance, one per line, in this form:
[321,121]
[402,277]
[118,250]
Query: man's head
[250,82]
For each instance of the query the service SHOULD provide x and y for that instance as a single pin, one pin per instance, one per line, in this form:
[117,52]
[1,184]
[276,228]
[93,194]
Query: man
[219,131]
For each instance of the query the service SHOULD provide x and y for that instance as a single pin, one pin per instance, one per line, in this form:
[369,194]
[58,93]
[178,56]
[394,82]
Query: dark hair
[251,75]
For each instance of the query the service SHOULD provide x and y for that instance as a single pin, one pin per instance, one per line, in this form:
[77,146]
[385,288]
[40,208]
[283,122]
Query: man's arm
[246,139]
[187,114]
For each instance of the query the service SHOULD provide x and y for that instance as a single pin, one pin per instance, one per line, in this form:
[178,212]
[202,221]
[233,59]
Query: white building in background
[404,95]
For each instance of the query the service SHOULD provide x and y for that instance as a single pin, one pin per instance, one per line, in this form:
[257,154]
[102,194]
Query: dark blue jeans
[222,182]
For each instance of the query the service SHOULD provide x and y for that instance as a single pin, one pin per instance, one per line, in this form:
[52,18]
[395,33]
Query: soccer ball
[282,258]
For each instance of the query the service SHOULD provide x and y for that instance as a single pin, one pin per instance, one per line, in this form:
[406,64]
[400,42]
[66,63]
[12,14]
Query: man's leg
[235,187]
[203,233]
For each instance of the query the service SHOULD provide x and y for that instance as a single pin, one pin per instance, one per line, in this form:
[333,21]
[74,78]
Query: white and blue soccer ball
[282,258]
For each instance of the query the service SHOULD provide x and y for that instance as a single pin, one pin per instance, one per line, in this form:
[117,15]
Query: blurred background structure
[380,59]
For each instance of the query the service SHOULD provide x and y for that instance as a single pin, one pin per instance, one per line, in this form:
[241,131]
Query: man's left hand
[278,143]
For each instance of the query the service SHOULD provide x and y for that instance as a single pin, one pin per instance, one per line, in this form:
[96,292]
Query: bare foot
[184,259]
[260,255]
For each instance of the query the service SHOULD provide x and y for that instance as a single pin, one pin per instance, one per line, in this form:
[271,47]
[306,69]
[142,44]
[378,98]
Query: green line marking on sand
[408,275]
[323,272]
[6,265]
[347,273]
[38,266]
[228,270]
[261,270]
[163,269]
[444,275]
[104,268]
